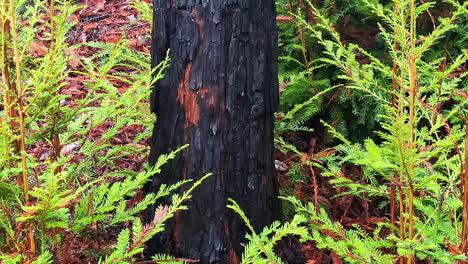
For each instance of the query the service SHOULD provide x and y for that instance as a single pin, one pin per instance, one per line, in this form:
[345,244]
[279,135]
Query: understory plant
[417,163]
[69,189]
[302,76]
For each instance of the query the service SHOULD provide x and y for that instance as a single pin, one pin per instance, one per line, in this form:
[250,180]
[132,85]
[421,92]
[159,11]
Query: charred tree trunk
[218,95]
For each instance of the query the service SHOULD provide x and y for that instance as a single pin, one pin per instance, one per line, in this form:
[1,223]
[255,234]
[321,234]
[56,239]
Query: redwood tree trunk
[218,95]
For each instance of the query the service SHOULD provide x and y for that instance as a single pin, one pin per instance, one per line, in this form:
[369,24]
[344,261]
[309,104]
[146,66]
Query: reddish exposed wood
[188,98]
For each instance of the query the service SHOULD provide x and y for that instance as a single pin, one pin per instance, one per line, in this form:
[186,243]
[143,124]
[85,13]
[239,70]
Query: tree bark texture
[218,95]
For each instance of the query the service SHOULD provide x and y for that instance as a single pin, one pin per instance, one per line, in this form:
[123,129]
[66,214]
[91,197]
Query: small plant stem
[55,140]
[402,212]
[9,93]
[19,101]
[394,102]
[464,235]
[410,218]
[21,132]
[413,74]
[402,222]
[304,46]
[314,181]
[392,207]
[413,82]
[395,65]
[302,37]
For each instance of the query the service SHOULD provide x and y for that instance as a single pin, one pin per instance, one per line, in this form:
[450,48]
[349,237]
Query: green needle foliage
[421,138]
[60,181]
[259,249]
[416,163]
[304,70]
[302,74]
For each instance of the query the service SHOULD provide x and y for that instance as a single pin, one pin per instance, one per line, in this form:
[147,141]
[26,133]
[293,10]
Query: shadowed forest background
[370,135]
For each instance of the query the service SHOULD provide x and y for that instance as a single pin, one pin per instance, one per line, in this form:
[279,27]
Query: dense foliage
[65,187]
[398,109]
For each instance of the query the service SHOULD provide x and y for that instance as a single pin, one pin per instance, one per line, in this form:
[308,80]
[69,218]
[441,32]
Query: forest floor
[104,21]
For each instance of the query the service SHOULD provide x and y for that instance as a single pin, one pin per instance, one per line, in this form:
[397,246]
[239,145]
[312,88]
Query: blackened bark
[218,95]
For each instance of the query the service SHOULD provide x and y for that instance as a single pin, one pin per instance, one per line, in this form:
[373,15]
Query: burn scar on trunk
[188,98]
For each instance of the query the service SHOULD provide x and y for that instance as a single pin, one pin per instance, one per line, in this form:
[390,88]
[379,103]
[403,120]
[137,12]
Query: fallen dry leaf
[39,49]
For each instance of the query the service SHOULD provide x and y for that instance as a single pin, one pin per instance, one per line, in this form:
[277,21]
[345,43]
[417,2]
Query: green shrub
[61,183]
[418,165]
